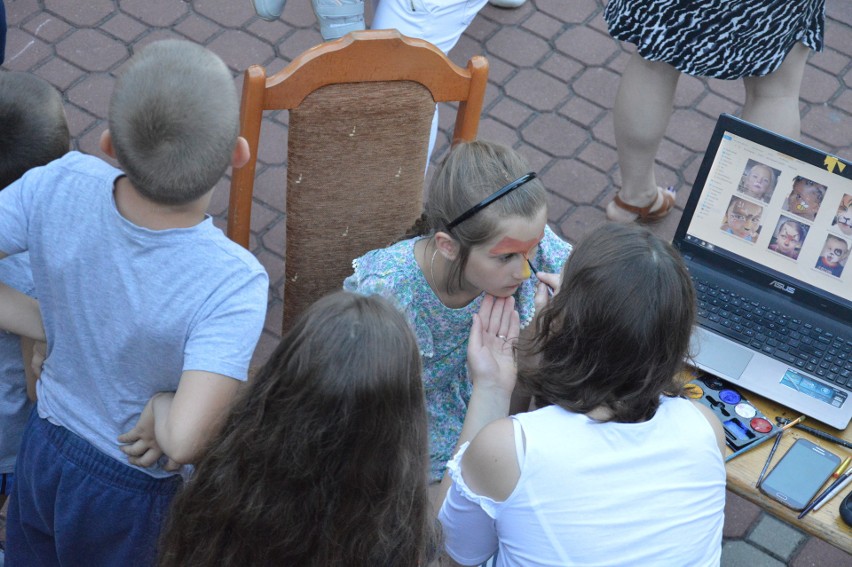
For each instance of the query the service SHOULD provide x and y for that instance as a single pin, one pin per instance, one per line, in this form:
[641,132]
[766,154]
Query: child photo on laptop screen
[742,219]
[805,198]
[758,181]
[843,218]
[788,237]
[835,251]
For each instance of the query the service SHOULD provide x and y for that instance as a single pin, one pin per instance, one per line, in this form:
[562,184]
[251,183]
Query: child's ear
[105,144]
[241,154]
[446,245]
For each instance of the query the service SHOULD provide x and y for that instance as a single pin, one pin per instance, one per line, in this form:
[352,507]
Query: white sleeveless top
[591,493]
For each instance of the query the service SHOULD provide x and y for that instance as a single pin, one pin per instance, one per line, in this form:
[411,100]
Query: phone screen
[800,474]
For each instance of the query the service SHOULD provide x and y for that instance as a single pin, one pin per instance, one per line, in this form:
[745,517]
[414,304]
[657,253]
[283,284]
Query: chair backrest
[361,109]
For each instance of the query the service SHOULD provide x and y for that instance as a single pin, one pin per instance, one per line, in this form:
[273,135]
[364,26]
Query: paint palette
[744,424]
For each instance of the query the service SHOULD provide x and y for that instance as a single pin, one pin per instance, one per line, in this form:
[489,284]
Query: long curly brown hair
[324,459]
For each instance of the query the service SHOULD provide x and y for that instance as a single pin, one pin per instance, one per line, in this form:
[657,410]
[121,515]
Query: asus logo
[783,287]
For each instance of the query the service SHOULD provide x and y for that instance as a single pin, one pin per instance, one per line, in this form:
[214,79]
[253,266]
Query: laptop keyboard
[796,342]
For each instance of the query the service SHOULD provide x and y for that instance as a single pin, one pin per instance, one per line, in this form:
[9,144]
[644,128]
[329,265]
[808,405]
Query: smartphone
[798,476]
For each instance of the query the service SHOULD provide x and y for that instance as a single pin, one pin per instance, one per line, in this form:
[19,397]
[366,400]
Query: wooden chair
[360,109]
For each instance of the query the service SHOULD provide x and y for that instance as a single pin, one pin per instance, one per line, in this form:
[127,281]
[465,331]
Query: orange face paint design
[508,245]
[513,246]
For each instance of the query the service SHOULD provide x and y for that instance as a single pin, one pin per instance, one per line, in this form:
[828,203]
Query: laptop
[766,235]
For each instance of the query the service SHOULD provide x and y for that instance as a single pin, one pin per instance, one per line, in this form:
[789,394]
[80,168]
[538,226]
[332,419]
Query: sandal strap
[641,211]
[646,214]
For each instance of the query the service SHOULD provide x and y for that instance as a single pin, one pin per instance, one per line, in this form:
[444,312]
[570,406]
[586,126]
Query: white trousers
[440,22]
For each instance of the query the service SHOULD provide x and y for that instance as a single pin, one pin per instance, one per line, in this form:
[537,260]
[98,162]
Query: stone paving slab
[553,77]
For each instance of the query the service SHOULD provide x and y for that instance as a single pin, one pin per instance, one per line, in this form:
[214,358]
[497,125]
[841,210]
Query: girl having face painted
[483,233]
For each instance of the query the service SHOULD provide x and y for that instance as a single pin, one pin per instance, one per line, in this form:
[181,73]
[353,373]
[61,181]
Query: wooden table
[744,470]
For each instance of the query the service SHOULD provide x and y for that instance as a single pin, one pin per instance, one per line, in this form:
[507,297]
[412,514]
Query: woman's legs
[772,101]
[643,107]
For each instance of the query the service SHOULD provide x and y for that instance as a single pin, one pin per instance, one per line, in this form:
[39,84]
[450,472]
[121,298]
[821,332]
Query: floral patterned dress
[442,332]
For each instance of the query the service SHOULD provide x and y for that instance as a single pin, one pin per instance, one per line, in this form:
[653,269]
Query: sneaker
[338,17]
[269,10]
[507,3]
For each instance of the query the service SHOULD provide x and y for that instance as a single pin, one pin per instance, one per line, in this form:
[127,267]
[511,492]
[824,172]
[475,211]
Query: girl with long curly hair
[324,459]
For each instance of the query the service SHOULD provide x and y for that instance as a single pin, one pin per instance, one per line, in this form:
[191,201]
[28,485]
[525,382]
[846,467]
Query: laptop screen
[772,204]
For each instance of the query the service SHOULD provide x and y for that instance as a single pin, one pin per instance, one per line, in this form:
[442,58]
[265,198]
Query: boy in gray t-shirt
[33,132]
[150,313]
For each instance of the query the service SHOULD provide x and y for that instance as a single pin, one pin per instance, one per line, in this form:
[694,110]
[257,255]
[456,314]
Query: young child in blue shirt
[33,132]
[150,313]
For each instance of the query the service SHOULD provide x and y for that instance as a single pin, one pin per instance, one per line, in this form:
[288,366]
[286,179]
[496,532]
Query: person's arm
[489,471]
[180,424]
[19,313]
[32,354]
[216,357]
[491,363]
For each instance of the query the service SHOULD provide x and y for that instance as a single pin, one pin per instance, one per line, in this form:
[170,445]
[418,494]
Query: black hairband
[499,194]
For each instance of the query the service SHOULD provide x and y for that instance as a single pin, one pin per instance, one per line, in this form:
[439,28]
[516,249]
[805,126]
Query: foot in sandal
[619,211]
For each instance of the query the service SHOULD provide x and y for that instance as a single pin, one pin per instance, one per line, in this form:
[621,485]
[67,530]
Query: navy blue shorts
[73,505]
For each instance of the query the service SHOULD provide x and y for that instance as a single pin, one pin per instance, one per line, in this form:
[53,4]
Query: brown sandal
[644,214]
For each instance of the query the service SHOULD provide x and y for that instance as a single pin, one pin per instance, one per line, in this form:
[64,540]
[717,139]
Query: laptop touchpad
[721,357]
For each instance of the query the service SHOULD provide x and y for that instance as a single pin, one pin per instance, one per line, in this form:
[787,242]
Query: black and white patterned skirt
[724,39]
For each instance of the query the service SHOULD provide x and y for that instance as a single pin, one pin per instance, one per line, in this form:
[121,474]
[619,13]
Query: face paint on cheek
[526,273]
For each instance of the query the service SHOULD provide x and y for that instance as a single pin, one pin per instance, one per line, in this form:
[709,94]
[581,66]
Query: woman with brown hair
[324,459]
[614,468]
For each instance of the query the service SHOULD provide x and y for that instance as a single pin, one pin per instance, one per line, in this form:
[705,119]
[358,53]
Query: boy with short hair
[151,314]
[33,132]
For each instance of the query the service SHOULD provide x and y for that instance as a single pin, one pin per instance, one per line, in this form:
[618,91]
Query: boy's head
[33,128]
[743,218]
[834,251]
[173,121]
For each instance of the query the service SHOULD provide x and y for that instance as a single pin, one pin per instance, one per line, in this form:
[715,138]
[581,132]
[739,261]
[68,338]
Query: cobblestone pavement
[553,78]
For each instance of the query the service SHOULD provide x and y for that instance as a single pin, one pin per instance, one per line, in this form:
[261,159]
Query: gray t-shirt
[14,405]
[126,309]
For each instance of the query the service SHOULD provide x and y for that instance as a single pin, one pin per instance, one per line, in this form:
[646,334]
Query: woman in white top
[615,467]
